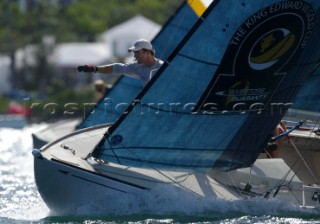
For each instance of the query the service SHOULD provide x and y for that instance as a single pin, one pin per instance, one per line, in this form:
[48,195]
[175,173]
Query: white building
[113,43]
[122,36]
[68,55]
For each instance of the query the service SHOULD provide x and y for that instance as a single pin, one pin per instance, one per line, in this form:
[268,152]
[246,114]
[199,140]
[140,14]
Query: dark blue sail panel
[258,57]
[126,89]
[211,105]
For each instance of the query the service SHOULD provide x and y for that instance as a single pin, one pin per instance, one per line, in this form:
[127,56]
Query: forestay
[217,100]
[116,101]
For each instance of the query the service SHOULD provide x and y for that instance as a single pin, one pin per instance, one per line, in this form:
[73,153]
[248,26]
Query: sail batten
[198,60]
[231,79]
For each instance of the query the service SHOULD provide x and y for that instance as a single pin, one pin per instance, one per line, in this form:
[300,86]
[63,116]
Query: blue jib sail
[216,101]
[115,102]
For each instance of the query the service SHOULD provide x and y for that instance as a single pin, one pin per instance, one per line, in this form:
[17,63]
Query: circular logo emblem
[259,55]
[270,44]
[269,49]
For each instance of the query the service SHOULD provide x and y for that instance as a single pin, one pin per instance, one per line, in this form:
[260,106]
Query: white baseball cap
[99,82]
[141,44]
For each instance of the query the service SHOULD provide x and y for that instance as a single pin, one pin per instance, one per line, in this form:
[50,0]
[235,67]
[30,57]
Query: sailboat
[199,125]
[301,149]
[112,105]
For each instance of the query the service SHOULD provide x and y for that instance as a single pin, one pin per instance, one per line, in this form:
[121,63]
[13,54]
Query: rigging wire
[248,185]
[173,33]
[113,152]
[160,172]
[283,179]
[280,184]
[235,186]
[303,160]
[219,183]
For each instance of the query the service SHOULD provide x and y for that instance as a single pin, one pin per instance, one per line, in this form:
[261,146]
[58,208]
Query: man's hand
[87,68]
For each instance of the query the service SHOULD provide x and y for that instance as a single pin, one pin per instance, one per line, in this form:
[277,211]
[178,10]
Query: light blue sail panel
[115,102]
[216,102]
[308,98]
[174,30]
[126,89]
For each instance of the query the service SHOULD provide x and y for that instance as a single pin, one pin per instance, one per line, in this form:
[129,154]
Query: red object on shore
[16,108]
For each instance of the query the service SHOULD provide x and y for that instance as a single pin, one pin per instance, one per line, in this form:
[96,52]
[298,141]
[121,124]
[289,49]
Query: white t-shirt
[138,71]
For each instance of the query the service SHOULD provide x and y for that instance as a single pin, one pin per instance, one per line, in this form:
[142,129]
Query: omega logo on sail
[258,56]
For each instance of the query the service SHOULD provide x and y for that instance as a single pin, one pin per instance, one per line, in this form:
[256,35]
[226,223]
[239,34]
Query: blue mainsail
[126,89]
[215,102]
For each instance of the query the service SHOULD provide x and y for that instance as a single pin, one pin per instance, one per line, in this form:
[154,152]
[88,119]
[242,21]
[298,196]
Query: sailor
[143,67]
[273,148]
[100,89]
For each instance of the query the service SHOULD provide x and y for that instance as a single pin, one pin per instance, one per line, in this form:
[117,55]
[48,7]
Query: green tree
[81,21]
[87,18]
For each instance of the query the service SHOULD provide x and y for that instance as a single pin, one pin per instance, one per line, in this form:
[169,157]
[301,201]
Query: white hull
[68,179]
[54,131]
[69,188]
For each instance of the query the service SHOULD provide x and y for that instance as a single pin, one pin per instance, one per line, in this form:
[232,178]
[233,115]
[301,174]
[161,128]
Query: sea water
[20,201]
